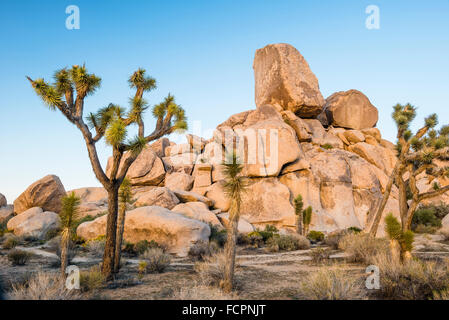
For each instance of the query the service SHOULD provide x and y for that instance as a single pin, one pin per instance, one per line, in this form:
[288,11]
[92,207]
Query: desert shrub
[327,146]
[202,249]
[320,254]
[287,243]
[219,236]
[43,286]
[211,271]
[143,245]
[330,284]
[157,260]
[92,279]
[333,238]
[354,229]
[425,219]
[10,242]
[95,246]
[411,280]
[362,247]
[253,239]
[268,232]
[19,257]
[315,236]
[52,233]
[3,228]
[202,292]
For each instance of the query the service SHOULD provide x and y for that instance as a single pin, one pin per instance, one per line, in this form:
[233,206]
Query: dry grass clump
[211,271]
[329,283]
[19,257]
[362,248]
[412,280]
[202,292]
[92,279]
[156,260]
[203,249]
[96,246]
[10,241]
[320,255]
[43,286]
[442,295]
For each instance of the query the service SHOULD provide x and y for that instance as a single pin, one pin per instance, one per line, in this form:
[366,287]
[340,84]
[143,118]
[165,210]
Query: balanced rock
[283,77]
[34,223]
[45,193]
[157,196]
[172,230]
[351,109]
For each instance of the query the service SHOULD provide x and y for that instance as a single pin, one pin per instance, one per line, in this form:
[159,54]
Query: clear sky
[202,52]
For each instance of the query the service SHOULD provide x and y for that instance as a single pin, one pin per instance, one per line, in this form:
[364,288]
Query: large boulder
[283,77]
[351,109]
[157,196]
[198,211]
[242,227]
[190,196]
[3,201]
[6,213]
[216,192]
[267,201]
[179,180]
[159,146]
[34,222]
[45,193]
[172,230]
[202,173]
[183,162]
[94,201]
[383,158]
[146,170]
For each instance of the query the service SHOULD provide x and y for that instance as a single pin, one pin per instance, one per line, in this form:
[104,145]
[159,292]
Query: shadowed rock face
[283,78]
[351,109]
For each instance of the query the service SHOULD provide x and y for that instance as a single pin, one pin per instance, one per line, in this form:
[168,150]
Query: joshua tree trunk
[118,243]
[230,254]
[111,231]
[65,238]
[299,226]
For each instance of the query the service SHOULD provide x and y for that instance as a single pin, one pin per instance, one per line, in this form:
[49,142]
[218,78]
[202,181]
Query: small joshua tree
[401,241]
[125,199]
[235,186]
[417,155]
[299,204]
[307,219]
[67,94]
[69,215]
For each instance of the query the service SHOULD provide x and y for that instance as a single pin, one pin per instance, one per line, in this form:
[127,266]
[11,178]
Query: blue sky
[202,52]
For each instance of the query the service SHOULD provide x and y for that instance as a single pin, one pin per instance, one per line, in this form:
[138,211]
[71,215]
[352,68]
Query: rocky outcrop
[45,193]
[351,109]
[283,77]
[197,211]
[146,170]
[172,230]
[157,196]
[179,180]
[34,222]
[242,227]
[94,201]
[6,213]
[3,201]
[188,196]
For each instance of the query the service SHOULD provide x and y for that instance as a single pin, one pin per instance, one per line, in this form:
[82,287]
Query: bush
[315,236]
[10,242]
[218,236]
[320,254]
[429,216]
[327,146]
[287,243]
[157,260]
[253,239]
[330,284]
[96,246]
[3,228]
[411,280]
[18,257]
[362,247]
[211,271]
[268,232]
[142,246]
[92,279]
[43,286]
[52,233]
[202,249]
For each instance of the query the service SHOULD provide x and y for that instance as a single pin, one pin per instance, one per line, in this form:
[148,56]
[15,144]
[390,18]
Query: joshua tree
[234,187]
[125,199]
[299,204]
[417,157]
[401,242]
[69,215]
[307,219]
[67,94]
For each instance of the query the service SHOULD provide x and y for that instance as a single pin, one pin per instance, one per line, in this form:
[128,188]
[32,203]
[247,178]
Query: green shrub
[143,245]
[287,243]
[129,248]
[327,146]
[426,216]
[10,242]
[255,239]
[157,260]
[3,228]
[219,236]
[315,236]
[92,279]
[394,231]
[354,229]
[18,257]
